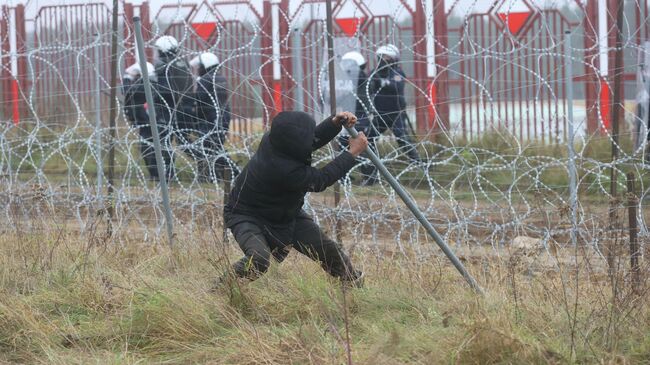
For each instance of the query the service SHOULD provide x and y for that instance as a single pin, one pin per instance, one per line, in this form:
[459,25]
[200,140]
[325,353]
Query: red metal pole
[21,38]
[129,58]
[5,67]
[146,27]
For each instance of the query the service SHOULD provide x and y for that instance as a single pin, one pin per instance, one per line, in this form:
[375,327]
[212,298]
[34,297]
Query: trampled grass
[71,299]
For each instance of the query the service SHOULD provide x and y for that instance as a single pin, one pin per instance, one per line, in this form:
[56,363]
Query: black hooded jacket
[270,191]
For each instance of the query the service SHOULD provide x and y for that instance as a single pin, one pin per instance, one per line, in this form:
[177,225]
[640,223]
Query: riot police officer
[387,99]
[175,99]
[212,116]
[136,113]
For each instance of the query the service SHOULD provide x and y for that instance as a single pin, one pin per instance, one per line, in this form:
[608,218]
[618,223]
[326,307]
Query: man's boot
[356,280]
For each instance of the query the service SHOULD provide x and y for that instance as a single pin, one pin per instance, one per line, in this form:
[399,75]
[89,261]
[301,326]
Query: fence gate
[509,73]
[65,38]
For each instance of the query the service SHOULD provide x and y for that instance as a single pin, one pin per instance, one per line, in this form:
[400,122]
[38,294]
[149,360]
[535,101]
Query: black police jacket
[387,89]
[212,100]
[174,87]
[134,100]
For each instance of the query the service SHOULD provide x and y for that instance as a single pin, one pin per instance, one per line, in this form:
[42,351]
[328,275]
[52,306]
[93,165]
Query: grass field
[67,298]
[72,295]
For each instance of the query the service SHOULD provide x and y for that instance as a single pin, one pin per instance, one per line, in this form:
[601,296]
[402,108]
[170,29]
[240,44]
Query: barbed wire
[483,190]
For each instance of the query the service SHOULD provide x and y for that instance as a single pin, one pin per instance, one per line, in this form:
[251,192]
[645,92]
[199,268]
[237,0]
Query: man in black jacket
[134,109]
[264,211]
[212,117]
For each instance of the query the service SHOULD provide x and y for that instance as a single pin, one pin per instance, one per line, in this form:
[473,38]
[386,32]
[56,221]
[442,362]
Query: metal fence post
[98,123]
[112,116]
[142,59]
[227,185]
[617,107]
[332,89]
[573,188]
[5,64]
[632,203]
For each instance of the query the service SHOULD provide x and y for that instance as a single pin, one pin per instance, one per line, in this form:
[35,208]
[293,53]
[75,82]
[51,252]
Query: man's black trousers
[259,246]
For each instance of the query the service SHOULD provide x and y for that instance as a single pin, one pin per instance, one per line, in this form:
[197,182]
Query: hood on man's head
[292,133]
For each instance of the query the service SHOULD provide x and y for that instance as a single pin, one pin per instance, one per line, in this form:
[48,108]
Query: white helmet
[389,50]
[166,44]
[356,57]
[133,72]
[206,59]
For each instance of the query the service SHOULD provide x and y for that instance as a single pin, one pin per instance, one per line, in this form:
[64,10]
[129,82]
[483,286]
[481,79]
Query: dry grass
[71,299]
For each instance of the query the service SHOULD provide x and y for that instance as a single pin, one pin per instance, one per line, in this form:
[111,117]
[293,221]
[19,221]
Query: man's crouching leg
[257,253]
[310,240]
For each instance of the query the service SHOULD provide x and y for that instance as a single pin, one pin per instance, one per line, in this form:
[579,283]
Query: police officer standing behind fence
[134,109]
[175,99]
[212,117]
[388,102]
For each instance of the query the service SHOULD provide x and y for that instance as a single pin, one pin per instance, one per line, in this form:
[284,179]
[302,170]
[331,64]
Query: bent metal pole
[144,72]
[410,203]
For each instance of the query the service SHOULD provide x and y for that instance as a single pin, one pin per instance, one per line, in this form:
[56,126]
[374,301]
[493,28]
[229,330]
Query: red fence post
[146,27]
[21,49]
[129,41]
[5,66]
[440,89]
